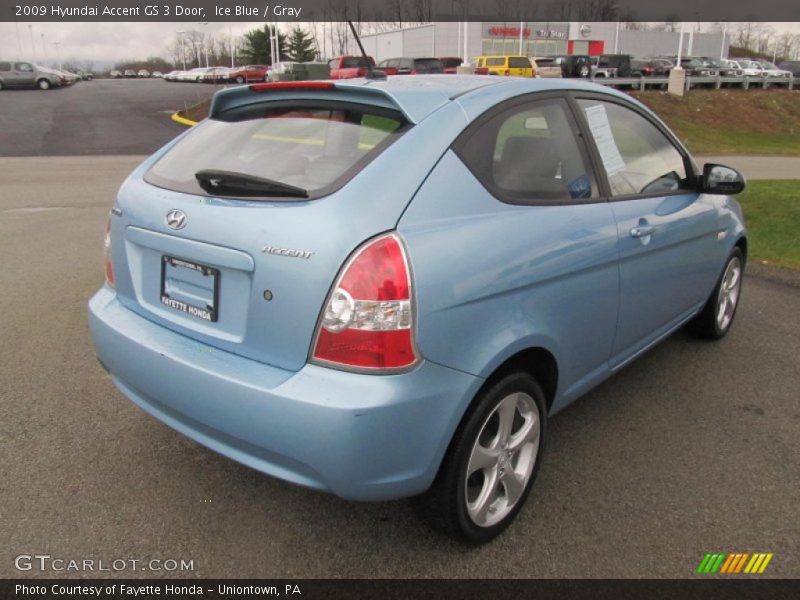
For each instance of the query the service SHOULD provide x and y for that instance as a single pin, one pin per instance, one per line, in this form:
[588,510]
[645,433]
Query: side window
[497,61]
[637,157]
[24,67]
[4,66]
[519,62]
[528,154]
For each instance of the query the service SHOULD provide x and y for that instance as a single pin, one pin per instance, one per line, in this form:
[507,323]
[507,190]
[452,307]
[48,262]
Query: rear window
[428,65]
[302,151]
[451,63]
[352,62]
[519,62]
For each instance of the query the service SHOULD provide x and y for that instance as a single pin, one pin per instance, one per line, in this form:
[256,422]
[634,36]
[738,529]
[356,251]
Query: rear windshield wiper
[241,184]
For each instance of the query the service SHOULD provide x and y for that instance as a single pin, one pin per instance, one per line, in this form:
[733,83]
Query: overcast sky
[102,41]
[111,42]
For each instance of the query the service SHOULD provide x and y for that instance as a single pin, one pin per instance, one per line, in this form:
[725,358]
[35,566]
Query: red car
[349,67]
[249,73]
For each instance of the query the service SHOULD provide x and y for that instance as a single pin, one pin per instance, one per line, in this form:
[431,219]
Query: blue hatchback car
[385,288]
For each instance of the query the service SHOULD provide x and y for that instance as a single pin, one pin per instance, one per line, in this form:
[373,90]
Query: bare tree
[785,44]
[671,24]
[745,34]
[766,33]
[597,10]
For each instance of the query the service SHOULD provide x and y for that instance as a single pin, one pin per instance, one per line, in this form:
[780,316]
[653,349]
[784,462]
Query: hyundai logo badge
[176,219]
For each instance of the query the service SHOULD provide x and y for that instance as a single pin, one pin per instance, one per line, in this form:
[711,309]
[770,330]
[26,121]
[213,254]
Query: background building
[536,39]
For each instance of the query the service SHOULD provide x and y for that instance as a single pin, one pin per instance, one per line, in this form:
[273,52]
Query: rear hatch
[234,235]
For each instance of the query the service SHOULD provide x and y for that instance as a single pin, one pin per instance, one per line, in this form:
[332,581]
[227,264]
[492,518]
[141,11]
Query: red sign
[508,32]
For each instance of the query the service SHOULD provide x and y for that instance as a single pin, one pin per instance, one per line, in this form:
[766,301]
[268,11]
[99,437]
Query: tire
[43,84]
[471,503]
[716,318]
[239,79]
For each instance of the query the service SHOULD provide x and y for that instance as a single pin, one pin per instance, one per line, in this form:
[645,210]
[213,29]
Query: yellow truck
[504,64]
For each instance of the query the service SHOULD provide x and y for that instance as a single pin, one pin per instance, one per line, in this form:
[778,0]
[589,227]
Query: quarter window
[529,154]
[638,158]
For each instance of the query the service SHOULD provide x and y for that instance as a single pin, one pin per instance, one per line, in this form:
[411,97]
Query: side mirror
[719,179]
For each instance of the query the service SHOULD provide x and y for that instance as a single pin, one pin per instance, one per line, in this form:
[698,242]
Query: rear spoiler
[257,93]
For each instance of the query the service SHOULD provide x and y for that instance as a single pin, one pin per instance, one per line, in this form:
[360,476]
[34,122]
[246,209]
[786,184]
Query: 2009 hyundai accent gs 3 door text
[385,288]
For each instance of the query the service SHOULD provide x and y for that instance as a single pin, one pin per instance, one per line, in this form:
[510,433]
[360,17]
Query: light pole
[722,48]
[33,46]
[58,54]
[183,53]
[19,40]
[205,47]
[230,35]
[44,48]
[197,54]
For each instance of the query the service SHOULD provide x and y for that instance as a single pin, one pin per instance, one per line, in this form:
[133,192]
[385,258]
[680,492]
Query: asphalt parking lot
[693,448]
[104,116]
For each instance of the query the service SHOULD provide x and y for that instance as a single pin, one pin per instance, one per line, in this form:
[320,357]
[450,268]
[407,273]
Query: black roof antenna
[371,73]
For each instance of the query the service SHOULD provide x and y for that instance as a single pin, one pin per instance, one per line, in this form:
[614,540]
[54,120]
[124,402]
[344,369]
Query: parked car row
[570,66]
[245,74]
[696,66]
[133,74]
[22,74]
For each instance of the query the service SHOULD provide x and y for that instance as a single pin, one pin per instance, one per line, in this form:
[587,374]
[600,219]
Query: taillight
[368,318]
[507,73]
[107,255]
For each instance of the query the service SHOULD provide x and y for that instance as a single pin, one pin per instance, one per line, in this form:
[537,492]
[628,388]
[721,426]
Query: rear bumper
[362,437]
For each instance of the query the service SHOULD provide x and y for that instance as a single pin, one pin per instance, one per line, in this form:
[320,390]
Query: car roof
[421,95]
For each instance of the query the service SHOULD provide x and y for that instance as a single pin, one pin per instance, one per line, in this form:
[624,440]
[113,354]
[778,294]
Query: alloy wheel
[728,295]
[502,459]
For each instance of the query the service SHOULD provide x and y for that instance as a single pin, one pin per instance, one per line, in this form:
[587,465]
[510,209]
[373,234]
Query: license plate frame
[209,313]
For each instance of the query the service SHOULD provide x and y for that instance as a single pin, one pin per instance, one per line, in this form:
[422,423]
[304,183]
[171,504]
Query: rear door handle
[642,231]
